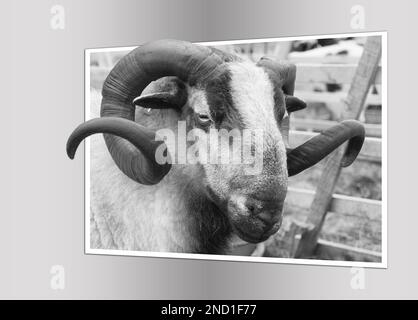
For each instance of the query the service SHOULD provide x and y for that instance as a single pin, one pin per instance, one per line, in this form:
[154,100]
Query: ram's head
[211,91]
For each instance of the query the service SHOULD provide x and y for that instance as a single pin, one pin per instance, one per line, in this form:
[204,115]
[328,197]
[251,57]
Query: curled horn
[190,63]
[283,75]
[318,147]
[173,94]
[139,136]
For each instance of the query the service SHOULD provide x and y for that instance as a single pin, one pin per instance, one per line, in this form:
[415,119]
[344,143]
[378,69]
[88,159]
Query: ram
[140,202]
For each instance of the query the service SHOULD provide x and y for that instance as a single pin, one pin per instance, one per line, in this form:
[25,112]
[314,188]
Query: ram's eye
[203,119]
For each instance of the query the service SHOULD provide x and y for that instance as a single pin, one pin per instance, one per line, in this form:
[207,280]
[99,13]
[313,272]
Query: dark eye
[203,119]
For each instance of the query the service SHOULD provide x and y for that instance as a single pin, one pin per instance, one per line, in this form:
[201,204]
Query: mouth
[253,220]
[253,236]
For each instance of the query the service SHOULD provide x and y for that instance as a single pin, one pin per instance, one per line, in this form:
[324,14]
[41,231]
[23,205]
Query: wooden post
[360,85]
[282,50]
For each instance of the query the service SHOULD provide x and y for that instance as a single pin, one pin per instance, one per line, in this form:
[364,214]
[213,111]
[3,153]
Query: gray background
[42,90]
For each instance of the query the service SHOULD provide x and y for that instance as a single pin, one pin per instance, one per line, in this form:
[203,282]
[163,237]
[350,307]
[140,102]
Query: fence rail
[334,97]
[372,130]
[328,250]
[341,204]
[330,73]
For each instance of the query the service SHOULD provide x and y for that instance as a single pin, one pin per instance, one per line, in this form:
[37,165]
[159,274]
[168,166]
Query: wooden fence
[361,78]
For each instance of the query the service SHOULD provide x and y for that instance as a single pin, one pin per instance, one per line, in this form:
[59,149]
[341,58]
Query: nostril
[266,211]
[251,208]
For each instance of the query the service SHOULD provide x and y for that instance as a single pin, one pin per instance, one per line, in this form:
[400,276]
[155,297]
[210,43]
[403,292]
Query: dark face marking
[219,98]
[279,104]
[222,109]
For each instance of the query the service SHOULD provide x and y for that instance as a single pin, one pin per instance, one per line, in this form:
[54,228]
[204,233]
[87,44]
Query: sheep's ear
[294,104]
[160,100]
[164,93]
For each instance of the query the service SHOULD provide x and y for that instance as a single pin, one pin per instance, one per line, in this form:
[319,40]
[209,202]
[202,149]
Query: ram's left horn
[144,167]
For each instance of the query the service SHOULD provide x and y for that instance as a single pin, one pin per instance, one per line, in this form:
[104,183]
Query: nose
[267,211]
[255,219]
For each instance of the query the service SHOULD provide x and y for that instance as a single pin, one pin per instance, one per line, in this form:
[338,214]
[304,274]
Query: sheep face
[251,195]
[235,151]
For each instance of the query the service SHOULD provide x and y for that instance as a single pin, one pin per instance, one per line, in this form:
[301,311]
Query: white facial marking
[253,95]
[199,101]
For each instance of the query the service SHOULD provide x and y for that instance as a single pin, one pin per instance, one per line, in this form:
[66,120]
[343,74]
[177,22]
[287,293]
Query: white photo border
[114,252]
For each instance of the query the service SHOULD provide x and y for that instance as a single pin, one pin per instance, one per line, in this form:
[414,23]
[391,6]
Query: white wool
[127,215]
[253,95]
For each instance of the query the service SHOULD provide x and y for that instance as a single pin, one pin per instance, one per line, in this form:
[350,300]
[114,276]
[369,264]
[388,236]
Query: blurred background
[325,70]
